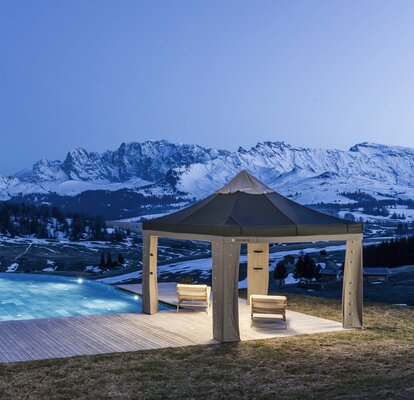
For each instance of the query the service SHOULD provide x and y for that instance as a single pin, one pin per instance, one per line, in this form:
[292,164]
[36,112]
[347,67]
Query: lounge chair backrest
[265,304]
[268,302]
[192,291]
[197,288]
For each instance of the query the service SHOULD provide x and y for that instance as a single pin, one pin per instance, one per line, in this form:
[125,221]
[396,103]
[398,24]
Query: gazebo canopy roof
[246,207]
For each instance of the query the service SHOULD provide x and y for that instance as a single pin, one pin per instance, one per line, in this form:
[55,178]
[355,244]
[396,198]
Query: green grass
[374,363]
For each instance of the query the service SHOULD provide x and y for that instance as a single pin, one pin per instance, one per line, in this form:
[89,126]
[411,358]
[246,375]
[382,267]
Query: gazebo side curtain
[225,279]
[225,273]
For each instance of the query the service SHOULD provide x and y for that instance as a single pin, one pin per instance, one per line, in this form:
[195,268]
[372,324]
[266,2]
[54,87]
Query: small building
[328,274]
[376,274]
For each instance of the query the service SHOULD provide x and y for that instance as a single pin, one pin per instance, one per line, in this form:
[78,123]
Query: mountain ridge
[158,168]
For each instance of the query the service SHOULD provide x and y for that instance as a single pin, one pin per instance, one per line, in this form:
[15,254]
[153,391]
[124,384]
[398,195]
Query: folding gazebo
[247,211]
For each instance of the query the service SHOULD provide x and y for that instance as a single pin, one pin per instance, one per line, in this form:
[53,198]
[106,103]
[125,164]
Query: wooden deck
[75,336]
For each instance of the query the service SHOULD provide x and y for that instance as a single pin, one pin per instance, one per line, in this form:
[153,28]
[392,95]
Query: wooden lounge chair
[193,295]
[263,304]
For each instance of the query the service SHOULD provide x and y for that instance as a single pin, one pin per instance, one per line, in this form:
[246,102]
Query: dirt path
[25,252]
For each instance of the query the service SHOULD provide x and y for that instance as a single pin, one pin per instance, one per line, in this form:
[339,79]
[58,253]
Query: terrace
[47,338]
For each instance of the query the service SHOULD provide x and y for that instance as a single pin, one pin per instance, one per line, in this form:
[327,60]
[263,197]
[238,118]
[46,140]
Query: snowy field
[84,257]
[400,210]
[203,265]
[179,258]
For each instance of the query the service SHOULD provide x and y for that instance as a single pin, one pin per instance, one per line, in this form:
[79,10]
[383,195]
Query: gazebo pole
[352,295]
[257,269]
[226,260]
[149,274]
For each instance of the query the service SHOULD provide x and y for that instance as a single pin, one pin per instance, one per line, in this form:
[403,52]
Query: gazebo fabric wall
[225,277]
[246,210]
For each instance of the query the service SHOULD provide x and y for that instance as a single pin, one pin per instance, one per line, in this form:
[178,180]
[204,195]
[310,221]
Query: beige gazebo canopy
[247,211]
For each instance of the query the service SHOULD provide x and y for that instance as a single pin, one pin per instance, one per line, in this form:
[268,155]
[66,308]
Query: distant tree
[402,229]
[78,228]
[359,196]
[349,217]
[121,259]
[392,253]
[11,229]
[306,269]
[311,269]
[288,259]
[109,262]
[65,227]
[376,210]
[117,235]
[299,271]
[280,272]
[33,227]
[102,263]
[98,229]
[44,221]
[42,232]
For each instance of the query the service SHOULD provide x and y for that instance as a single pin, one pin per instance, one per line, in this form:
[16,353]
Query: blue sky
[224,74]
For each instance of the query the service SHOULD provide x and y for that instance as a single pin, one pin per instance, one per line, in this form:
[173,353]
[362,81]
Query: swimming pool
[32,296]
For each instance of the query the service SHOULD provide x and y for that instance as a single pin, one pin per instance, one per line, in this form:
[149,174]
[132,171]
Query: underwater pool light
[80,280]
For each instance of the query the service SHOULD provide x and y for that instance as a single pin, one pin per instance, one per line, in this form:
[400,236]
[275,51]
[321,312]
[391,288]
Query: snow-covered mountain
[161,168]
[312,175]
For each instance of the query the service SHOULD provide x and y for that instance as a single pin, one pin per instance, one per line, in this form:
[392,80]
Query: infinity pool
[31,296]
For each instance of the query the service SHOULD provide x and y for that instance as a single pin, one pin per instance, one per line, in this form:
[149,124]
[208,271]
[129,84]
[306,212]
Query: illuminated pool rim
[34,296]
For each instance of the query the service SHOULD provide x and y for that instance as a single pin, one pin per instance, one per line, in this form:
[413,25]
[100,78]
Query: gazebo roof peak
[245,182]
[246,207]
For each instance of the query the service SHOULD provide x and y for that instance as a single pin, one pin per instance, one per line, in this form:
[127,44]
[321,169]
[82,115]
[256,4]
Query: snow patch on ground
[49,269]
[290,280]
[92,268]
[12,268]
[243,284]
[204,265]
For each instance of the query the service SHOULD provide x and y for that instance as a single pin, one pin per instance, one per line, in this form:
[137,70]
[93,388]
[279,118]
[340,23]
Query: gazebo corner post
[225,279]
[352,290]
[149,274]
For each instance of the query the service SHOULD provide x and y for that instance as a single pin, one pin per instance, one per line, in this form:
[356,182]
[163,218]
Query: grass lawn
[375,363]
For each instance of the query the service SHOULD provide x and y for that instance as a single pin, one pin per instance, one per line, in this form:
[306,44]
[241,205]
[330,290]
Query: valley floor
[177,260]
[377,362]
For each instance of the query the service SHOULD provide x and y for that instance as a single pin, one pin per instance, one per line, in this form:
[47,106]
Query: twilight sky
[93,74]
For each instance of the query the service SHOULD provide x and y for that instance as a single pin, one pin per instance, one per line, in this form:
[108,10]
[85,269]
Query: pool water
[31,296]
